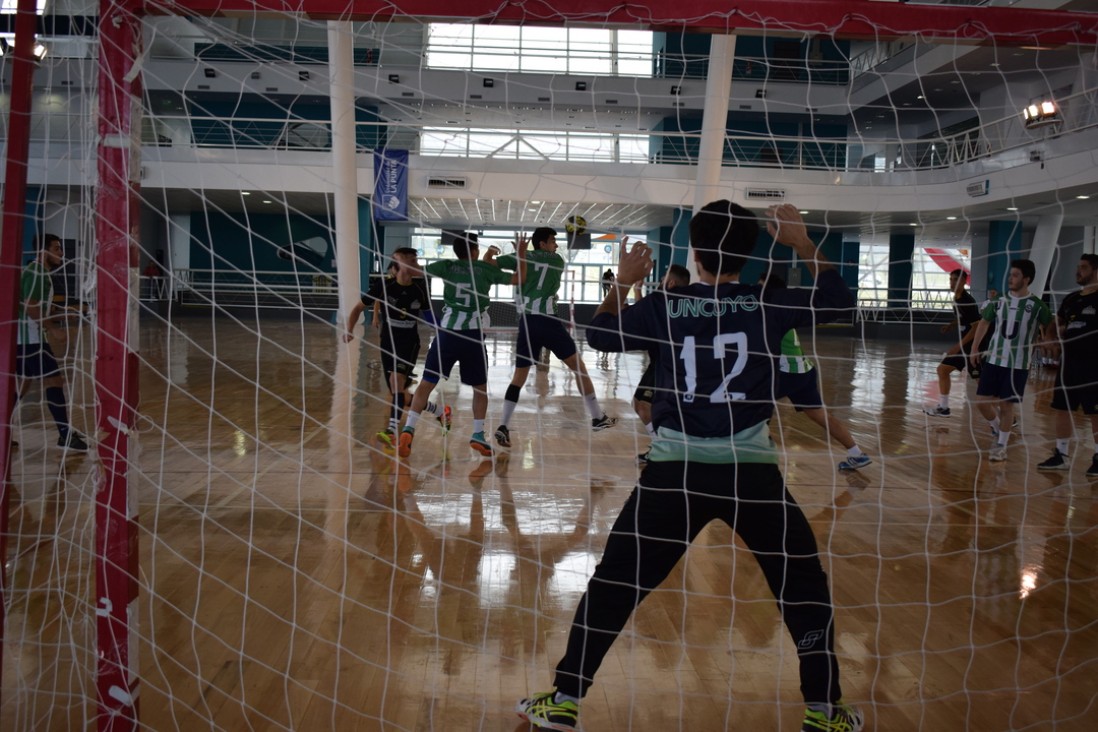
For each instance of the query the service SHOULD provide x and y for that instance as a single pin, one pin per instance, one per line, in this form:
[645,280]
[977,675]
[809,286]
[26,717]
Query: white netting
[294,575]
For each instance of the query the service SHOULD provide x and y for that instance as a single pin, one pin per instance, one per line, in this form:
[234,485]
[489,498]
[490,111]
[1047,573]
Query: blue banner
[390,185]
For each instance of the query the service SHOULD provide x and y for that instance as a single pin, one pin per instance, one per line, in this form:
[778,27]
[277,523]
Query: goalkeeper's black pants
[671,504]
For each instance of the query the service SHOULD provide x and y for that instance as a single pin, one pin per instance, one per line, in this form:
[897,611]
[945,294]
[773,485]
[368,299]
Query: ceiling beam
[863,19]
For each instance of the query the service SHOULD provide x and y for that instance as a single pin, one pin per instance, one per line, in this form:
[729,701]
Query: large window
[534,145]
[539,50]
[930,268]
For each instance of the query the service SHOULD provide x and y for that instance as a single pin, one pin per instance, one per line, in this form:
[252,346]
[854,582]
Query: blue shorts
[542,331]
[1002,383]
[457,346]
[803,390]
[35,361]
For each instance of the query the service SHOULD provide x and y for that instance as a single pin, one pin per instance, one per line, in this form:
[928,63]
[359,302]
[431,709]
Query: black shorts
[1002,383]
[457,346]
[542,331]
[646,388]
[398,355]
[802,390]
[35,361]
[1075,391]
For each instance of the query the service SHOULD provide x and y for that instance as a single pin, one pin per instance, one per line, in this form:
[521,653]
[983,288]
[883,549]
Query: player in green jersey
[34,357]
[540,328]
[467,283]
[1016,318]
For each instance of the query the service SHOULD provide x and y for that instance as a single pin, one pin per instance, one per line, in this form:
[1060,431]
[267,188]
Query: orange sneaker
[406,437]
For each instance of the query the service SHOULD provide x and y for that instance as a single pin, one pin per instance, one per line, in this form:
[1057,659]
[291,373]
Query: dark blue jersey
[717,347]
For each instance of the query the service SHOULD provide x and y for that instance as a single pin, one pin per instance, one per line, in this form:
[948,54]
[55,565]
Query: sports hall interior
[294,574]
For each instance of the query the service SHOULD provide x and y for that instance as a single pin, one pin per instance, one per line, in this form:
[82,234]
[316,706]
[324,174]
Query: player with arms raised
[712,457]
[539,327]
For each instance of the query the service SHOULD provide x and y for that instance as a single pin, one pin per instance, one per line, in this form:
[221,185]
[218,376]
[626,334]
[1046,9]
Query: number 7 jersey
[718,345]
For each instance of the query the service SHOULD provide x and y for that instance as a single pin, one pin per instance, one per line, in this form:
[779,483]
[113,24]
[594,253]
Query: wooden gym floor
[294,576]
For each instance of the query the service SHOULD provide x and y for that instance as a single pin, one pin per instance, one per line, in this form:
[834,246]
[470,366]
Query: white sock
[478,425]
[854,451]
[943,401]
[410,423]
[1003,437]
[1062,447]
[431,408]
[651,430]
[994,424]
[592,403]
[559,698]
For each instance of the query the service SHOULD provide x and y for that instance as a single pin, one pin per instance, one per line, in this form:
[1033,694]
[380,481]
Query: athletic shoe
[541,711]
[74,441]
[938,411]
[844,718]
[642,459]
[406,437]
[602,423]
[387,439]
[855,463]
[479,443]
[1056,462]
[997,454]
[503,436]
[446,418]
[1092,471]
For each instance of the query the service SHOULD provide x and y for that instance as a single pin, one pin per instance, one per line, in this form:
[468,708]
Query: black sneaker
[1092,471]
[602,423]
[503,436]
[642,459]
[73,441]
[1056,462]
[938,411]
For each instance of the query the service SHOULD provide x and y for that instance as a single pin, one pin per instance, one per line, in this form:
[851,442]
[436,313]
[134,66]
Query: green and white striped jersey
[543,274]
[465,294]
[1016,321]
[36,288]
[793,360]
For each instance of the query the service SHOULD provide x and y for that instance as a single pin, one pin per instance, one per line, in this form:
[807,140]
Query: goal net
[242,547]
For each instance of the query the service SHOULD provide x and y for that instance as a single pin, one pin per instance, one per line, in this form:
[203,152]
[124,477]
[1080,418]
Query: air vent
[476,96]
[746,107]
[545,99]
[447,182]
[979,188]
[611,101]
[764,194]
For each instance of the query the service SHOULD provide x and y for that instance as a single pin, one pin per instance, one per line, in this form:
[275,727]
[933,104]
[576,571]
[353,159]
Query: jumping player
[539,327]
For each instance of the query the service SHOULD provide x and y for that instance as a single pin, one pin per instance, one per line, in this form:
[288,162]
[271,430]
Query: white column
[718,88]
[1045,239]
[179,253]
[344,167]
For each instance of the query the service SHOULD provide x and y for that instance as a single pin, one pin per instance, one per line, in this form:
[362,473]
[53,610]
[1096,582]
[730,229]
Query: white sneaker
[997,454]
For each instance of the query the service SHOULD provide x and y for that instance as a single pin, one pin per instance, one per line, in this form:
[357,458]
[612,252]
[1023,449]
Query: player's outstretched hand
[636,262]
[786,225]
[520,243]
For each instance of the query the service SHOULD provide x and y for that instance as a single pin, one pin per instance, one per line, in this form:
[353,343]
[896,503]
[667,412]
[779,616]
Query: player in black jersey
[399,302]
[712,457]
[967,314]
[677,276]
[1076,383]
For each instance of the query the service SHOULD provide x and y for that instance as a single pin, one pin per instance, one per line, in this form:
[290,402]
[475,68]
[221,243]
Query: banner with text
[390,185]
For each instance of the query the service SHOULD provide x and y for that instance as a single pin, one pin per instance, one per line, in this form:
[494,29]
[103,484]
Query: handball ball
[576,225]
